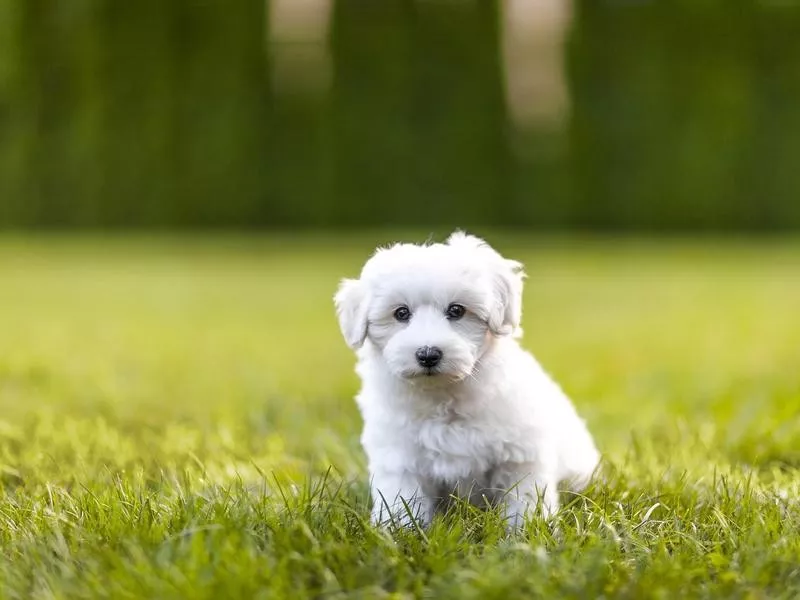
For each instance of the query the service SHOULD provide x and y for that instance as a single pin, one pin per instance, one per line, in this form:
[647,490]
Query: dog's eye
[402,314]
[455,311]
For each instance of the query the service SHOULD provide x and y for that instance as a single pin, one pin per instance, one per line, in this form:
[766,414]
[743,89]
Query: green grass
[176,421]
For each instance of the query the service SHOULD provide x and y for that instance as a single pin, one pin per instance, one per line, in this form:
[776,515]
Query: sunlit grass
[176,420]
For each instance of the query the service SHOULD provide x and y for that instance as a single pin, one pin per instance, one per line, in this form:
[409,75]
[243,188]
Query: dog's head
[432,310]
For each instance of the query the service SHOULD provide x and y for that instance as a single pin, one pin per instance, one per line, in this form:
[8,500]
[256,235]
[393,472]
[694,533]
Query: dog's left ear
[351,308]
[506,314]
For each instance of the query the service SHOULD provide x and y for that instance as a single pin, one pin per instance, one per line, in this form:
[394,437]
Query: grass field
[176,421]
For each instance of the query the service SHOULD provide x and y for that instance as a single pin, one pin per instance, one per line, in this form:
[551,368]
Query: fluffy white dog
[452,405]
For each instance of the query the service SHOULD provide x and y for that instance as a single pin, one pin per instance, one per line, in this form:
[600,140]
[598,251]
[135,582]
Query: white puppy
[452,405]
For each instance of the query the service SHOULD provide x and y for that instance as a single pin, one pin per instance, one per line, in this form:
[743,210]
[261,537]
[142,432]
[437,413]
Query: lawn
[176,421]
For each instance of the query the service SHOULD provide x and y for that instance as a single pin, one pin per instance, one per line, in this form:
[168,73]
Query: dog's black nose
[429,356]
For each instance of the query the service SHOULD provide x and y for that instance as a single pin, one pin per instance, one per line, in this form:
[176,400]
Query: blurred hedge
[150,113]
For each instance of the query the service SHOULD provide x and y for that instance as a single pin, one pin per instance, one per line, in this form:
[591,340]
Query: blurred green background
[150,382]
[548,114]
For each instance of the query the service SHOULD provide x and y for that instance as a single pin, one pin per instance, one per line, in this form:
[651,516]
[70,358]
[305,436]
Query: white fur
[489,425]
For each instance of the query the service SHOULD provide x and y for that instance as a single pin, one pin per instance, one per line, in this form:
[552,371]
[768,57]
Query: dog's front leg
[528,490]
[397,498]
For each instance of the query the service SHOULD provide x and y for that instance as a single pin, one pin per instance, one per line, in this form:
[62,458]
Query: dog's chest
[450,447]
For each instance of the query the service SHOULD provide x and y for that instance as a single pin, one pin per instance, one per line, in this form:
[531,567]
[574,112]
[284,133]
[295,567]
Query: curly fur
[487,424]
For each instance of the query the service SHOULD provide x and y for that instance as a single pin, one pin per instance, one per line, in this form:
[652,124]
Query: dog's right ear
[351,308]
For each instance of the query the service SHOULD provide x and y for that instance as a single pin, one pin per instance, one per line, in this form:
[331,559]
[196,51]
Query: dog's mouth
[422,373]
[432,375]
[446,372]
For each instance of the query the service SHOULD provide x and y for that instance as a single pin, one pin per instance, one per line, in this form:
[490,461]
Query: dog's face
[431,311]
